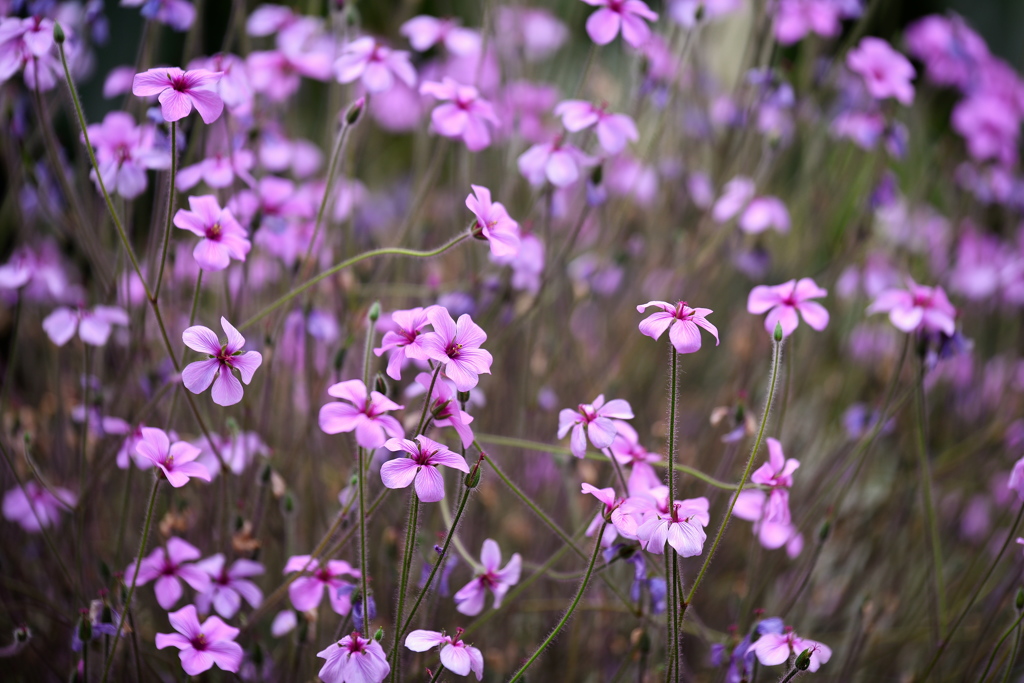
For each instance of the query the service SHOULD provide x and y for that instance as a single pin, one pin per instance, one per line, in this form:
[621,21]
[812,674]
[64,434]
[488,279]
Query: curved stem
[1013,655]
[363,563]
[170,210]
[195,302]
[999,644]
[572,607]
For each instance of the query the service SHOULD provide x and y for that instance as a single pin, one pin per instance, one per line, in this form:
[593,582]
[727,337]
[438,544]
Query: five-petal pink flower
[364,414]
[682,527]
[307,591]
[202,645]
[613,130]
[223,238]
[174,460]
[594,420]
[457,347]
[782,302]
[886,72]
[354,659]
[229,585]
[178,91]
[463,115]
[456,655]
[917,308]
[681,320]
[420,467]
[404,342]
[627,15]
[217,370]
[375,65]
[169,567]
[776,648]
[493,223]
[470,598]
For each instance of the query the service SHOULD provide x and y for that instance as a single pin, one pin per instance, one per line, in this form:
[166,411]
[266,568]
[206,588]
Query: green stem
[426,401]
[332,170]
[673,620]
[170,210]
[12,355]
[673,391]
[743,480]
[618,469]
[791,675]
[572,607]
[135,577]
[1013,655]
[929,508]
[403,582]
[363,563]
[999,644]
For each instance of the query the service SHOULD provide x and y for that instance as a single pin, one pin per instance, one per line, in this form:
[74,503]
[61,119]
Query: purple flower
[775,648]
[178,91]
[794,19]
[736,194]
[613,130]
[93,327]
[763,213]
[555,162]
[604,24]
[445,408]
[354,659]
[229,585]
[25,44]
[464,115]
[683,321]
[201,645]
[783,301]
[420,466]
[34,507]
[360,413]
[307,591]
[169,567]
[125,152]
[886,72]
[917,308]
[178,14]
[457,347]
[596,419]
[456,655]
[404,342]
[375,65]
[223,238]
[682,528]
[198,376]
[175,461]
[493,223]
[470,598]
[426,31]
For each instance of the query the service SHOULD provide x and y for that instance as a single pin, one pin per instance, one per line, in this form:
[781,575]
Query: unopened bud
[288,503]
[777,335]
[463,397]
[803,660]
[265,473]
[826,527]
[597,175]
[58,33]
[380,384]
[84,627]
[473,478]
[22,634]
[379,635]
[374,314]
[1020,599]
[339,358]
[355,110]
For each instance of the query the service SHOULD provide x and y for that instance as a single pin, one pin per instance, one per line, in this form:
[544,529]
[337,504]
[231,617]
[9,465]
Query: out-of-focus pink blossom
[735,196]
[229,585]
[125,152]
[307,591]
[374,65]
[364,414]
[174,460]
[34,507]
[463,115]
[917,308]
[783,302]
[178,14]
[794,19]
[169,566]
[613,130]
[556,162]
[533,32]
[406,341]
[424,32]
[470,598]
[93,326]
[886,72]
[765,213]
[493,223]
[179,91]
[950,50]
[223,238]
[629,16]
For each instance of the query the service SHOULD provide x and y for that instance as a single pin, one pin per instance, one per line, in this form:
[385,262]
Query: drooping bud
[826,527]
[84,626]
[380,384]
[265,473]
[463,397]
[288,503]
[355,111]
[803,660]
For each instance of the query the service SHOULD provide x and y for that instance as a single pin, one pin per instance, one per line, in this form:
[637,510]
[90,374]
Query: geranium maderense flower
[169,567]
[307,591]
[470,598]
[420,466]
[917,308]
[682,320]
[406,341]
[493,223]
[354,659]
[34,508]
[202,645]
[463,115]
[782,302]
[613,130]
[229,585]
[93,327]
[629,15]
[457,346]
[597,419]
[456,655]
[125,152]
[886,72]
[223,238]
[775,648]
[445,407]
[682,527]
[426,31]
[556,162]
[360,413]
[375,65]
[178,91]
[198,376]
[174,460]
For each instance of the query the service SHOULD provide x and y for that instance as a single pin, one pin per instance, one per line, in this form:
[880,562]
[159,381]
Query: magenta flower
[34,507]
[763,213]
[125,152]
[178,14]
[406,341]
[360,413]
[794,19]
[613,130]
[736,194]
[917,308]
[886,72]
[202,645]
[769,512]
[556,162]
[596,419]
[610,511]
[421,467]
[93,327]
[682,320]
[493,223]
[783,301]
[170,567]
[198,376]
[457,347]
[682,527]
[307,591]
[223,238]
[229,585]
[627,449]
[445,408]
[424,32]
[775,648]
[604,24]
[464,114]
[175,461]
[375,65]
[470,598]
[456,655]
[777,474]
[354,659]
[178,91]
[26,44]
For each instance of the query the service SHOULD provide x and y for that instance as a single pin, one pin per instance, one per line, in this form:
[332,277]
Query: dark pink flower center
[355,645]
[199,642]
[922,301]
[214,232]
[587,412]
[453,350]
[617,6]
[323,574]
[180,83]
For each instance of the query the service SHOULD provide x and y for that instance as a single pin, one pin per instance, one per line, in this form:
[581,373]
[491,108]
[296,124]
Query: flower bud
[374,314]
[473,478]
[355,111]
[339,358]
[463,397]
[777,335]
[58,33]
[1020,599]
[803,660]
[380,384]
[288,503]
[265,473]
[826,527]
[379,635]
[84,626]
[22,634]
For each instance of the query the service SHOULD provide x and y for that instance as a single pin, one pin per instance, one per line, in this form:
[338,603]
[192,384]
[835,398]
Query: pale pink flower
[682,527]
[223,358]
[364,414]
[218,170]
[457,347]
[229,585]
[627,450]
[494,223]
[794,19]
[404,342]
[26,45]
[613,130]
[611,505]
[594,420]
[736,194]
[1016,481]
[782,302]
[223,238]
[456,655]
[202,645]
[763,213]
[174,460]
[445,407]
[769,512]
[34,507]
[426,31]
[470,598]
[556,162]
[124,152]
[178,14]
[375,65]
[683,321]
[463,115]
[178,91]
[627,15]
[93,327]
[886,72]
[307,591]
[354,659]
[169,567]
[917,308]
[420,467]
[776,648]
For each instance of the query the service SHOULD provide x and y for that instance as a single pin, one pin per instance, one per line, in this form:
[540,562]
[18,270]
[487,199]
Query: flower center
[199,642]
[453,350]
[214,232]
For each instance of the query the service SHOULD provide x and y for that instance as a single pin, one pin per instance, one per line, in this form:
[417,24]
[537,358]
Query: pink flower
[94,327]
[229,585]
[178,14]
[557,162]
[375,65]
[763,213]
[178,91]
[464,115]
[769,512]
[169,567]
[886,72]
[198,376]
[597,419]
[783,301]
[34,507]
[470,598]
[124,152]
[405,342]
[682,319]
[775,648]
[26,44]
[175,461]
[456,656]
[457,347]
[604,24]
[202,645]
[613,130]
[218,170]
[989,126]
[494,223]
[445,408]
[626,448]
[354,659]
[307,591]
[1015,483]
[611,506]
[682,528]
[794,19]
[917,308]
[223,238]
[421,467]
[360,413]
[425,31]
[736,194]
